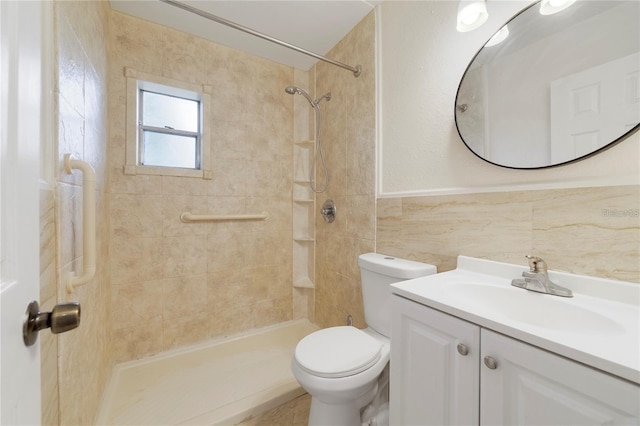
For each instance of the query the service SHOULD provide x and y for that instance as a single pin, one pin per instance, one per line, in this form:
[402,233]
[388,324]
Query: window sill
[167,171]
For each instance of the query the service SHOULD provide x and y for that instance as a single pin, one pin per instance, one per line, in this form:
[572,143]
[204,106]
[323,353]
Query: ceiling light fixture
[472,14]
[549,7]
[498,37]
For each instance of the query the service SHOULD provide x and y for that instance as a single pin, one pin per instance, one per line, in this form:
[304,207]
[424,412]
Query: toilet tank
[378,272]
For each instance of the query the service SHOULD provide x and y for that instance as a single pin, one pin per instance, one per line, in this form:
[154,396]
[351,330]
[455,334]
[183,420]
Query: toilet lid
[337,352]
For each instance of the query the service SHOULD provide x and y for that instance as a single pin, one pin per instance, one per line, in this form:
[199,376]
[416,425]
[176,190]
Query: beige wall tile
[348,132]
[136,215]
[185,296]
[438,229]
[138,341]
[240,263]
[191,328]
[81,91]
[589,231]
[135,303]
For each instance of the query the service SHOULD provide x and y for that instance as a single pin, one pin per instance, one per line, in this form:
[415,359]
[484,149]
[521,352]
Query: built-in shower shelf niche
[305,201]
[303,282]
[303,239]
[302,158]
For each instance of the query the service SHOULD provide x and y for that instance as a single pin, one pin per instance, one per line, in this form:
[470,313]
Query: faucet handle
[537,264]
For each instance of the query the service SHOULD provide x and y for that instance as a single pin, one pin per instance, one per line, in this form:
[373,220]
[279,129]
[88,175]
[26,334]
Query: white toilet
[344,369]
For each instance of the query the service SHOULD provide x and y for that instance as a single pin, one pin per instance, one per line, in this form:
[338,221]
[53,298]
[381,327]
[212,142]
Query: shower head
[293,90]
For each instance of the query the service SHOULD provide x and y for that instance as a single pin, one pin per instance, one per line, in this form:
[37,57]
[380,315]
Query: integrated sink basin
[599,326]
[535,309]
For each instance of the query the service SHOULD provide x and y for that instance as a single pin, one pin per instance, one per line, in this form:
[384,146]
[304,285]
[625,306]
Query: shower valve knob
[63,317]
[328,211]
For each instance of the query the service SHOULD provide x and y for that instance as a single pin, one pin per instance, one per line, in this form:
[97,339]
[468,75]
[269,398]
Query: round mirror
[553,85]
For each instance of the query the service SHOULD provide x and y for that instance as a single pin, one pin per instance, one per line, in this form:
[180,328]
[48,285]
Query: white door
[434,367]
[530,386]
[594,107]
[20,80]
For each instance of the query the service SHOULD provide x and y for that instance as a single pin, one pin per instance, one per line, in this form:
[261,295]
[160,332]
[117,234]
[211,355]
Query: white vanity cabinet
[493,379]
[530,386]
[432,381]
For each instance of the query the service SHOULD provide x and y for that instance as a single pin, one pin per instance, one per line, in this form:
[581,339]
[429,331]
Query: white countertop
[599,326]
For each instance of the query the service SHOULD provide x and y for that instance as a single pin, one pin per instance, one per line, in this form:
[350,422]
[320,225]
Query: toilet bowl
[339,367]
[342,367]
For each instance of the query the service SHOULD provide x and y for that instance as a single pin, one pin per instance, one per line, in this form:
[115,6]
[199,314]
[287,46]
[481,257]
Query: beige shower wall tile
[135,303]
[360,212]
[349,148]
[228,104]
[184,186]
[245,263]
[248,285]
[89,22]
[232,140]
[138,341]
[178,49]
[229,176]
[266,178]
[136,259]
[95,127]
[120,183]
[70,139]
[71,62]
[590,231]
[184,297]
[237,250]
[361,161]
[225,294]
[230,320]
[184,256]
[136,215]
[80,40]
[69,223]
[344,297]
[136,43]
[269,142]
[331,288]
[272,311]
[184,330]
[173,206]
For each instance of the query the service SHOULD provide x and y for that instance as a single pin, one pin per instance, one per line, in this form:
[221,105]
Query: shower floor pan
[219,382]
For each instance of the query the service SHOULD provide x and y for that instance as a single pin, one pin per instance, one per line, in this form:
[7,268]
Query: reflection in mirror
[558,88]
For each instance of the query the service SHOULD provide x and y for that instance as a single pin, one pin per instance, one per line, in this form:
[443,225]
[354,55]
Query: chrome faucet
[537,279]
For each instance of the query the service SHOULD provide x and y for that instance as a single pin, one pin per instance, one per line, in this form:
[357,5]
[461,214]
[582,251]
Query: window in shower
[167,127]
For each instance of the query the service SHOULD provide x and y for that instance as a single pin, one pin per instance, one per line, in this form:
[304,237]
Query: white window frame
[137,81]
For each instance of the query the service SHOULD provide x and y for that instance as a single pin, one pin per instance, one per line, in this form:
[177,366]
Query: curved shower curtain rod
[356,71]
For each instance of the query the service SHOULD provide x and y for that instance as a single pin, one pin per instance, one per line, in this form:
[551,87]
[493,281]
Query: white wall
[421,59]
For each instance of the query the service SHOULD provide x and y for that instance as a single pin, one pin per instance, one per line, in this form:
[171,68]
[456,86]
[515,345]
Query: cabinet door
[530,386]
[432,383]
